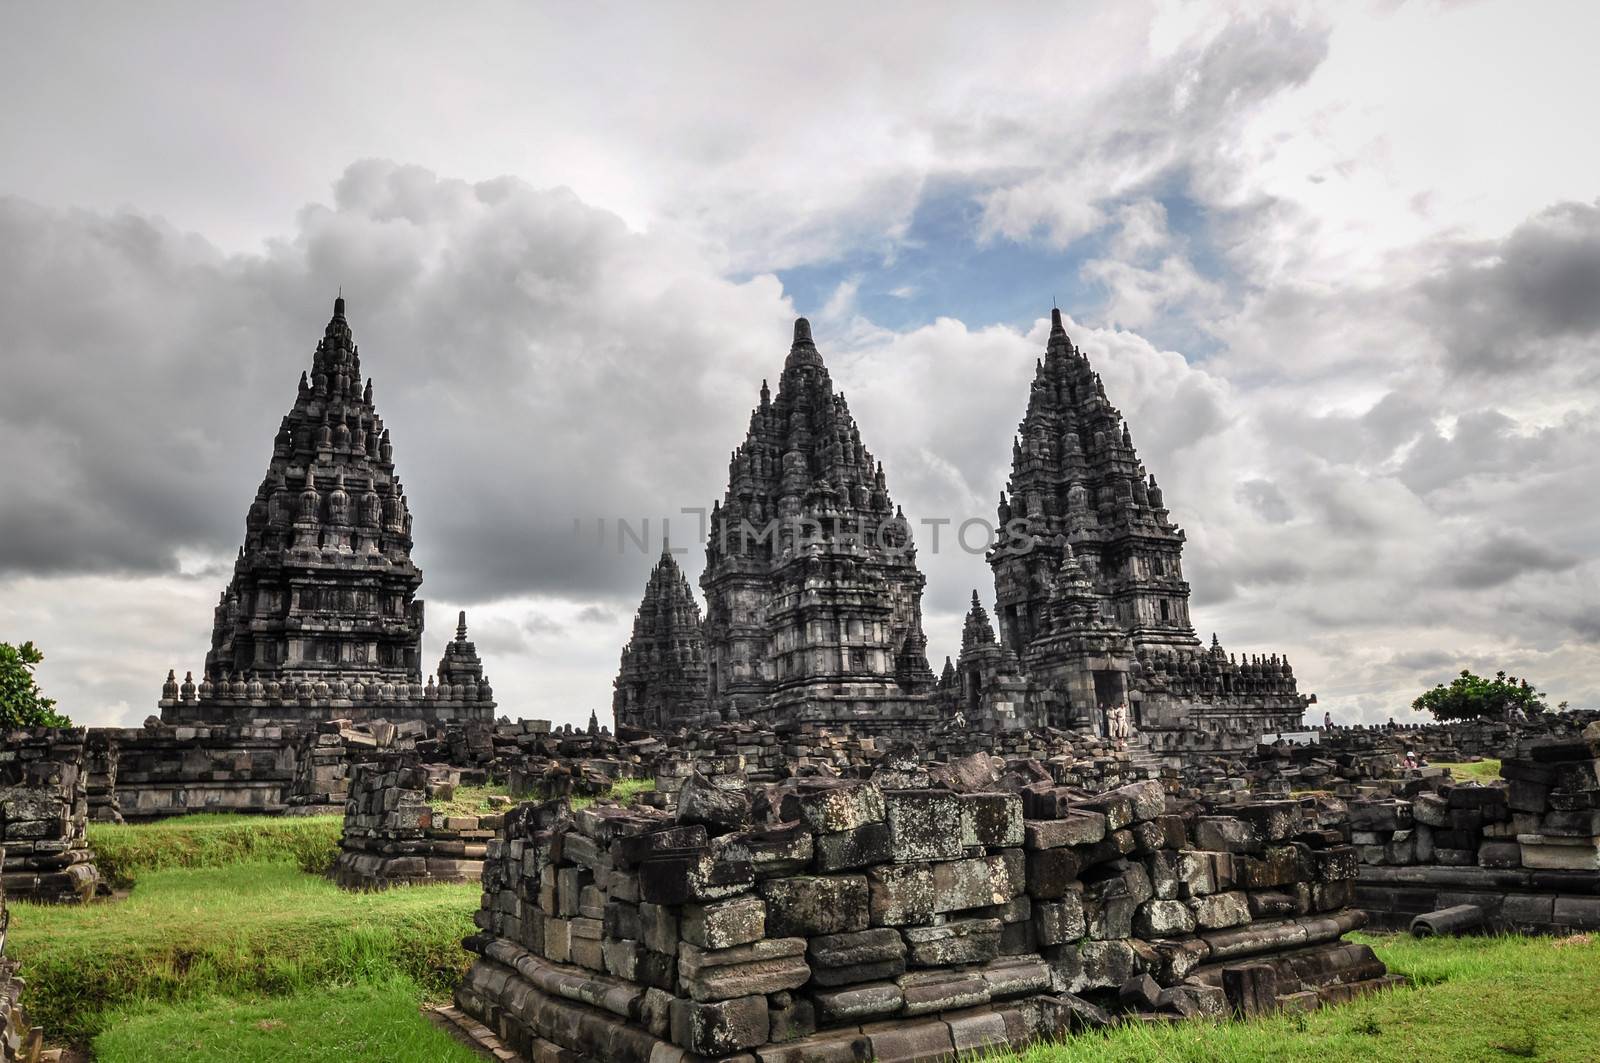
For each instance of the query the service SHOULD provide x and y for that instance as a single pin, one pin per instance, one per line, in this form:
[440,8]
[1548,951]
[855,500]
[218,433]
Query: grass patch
[377,1022]
[469,801]
[240,931]
[125,852]
[1472,771]
[1477,999]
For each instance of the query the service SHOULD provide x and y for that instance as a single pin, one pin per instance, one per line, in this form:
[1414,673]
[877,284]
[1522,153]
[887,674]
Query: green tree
[1471,697]
[21,702]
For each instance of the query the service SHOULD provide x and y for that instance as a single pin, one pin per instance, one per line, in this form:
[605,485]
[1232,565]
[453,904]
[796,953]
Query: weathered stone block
[901,894]
[1079,827]
[1051,873]
[808,905]
[843,807]
[1164,919]
[767,966]
[1060,921]
[857,1003]
[865,845]
[926,824]
[719,1028]
[1220,910]
[992,820]
[958,941]
[721,924]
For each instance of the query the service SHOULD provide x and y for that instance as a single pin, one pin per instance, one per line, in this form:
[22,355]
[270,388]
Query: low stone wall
[822,920]
[44,806]
[326,758]
[1527,851]
[391,836]
[19,1042]
[172,771]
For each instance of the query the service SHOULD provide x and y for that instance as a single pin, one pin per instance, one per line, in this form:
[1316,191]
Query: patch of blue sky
[941,268]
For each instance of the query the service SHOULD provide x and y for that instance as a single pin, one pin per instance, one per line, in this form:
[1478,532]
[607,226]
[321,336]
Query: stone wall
[1526,851]
[19,1042]
[828,919]
[326,758]
[171,771]
[391,836]
[44,806]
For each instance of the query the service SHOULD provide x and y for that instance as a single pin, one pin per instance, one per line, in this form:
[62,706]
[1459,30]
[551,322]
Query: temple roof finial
[804,349]
[1055,320]
[461,626]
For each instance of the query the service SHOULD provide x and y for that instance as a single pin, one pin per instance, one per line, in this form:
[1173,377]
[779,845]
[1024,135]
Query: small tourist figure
[1327,721]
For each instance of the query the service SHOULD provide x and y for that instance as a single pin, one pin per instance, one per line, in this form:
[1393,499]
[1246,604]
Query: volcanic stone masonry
[825,919]
[321,618]
[813,595]
[662,683]
[44,808]
[19,1042]
[1526,854]
[392,837]
[1093,607]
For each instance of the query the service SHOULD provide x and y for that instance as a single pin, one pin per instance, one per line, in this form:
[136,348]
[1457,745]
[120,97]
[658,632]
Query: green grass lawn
[125,852]
[227,951]
[243,931]
[1473,999]
[365,1022]
[469,801]
[1472,771]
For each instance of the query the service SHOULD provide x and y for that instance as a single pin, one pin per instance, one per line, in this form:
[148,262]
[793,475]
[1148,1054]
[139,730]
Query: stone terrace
[829,919]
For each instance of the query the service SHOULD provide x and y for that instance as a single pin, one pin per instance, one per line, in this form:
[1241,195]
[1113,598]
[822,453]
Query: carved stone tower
[321,616]
[813,596]
[662,683]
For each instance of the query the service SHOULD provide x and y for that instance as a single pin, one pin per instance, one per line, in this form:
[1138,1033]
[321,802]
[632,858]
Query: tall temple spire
[661,684]
[803,466]
[323,598]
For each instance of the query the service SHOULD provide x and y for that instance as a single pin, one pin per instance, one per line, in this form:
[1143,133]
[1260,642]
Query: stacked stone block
[391,836]
[163,770]
[327,756]
[1526,852]
[44,806]
[827,919]
[19,1042]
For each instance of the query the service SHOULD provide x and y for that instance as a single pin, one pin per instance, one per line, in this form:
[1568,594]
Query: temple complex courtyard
[250,954]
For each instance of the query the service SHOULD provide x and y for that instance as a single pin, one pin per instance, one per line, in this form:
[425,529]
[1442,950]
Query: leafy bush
[1471,697]
[22,704]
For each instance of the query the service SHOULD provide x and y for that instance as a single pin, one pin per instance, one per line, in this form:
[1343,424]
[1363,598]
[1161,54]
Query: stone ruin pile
[19,1042]
[392,836]
[44,807]
[327,757]
[825,919]
[1526,854]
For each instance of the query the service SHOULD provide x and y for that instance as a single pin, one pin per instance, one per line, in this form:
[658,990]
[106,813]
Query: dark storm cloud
[1518,303]
[1503,556]
[536,361]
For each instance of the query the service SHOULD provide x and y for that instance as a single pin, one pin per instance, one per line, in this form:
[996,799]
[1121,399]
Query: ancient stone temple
[813,595]
[1090,588]
[662,683]
[321,618]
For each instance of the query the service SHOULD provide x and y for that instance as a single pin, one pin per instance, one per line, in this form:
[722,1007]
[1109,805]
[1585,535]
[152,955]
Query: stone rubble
[823,918]
[44,807]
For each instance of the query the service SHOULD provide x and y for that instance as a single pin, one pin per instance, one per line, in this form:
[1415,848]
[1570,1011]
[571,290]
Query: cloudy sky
[1338,265]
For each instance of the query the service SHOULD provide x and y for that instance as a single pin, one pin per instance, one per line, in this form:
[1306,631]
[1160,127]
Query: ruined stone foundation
[44,808]
[828,920]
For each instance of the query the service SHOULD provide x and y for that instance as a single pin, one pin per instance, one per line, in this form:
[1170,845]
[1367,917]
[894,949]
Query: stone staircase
[1141,756]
